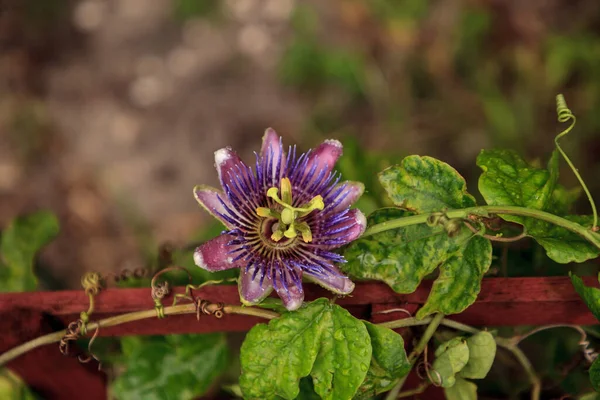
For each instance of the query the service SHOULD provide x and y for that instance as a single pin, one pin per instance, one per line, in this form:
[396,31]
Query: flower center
[287,217]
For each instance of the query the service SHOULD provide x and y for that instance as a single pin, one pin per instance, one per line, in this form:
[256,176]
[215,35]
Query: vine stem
[434,323]
[564,115]
[485,211]
[130,317]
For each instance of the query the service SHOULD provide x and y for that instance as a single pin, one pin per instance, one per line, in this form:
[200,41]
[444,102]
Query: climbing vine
[290,218]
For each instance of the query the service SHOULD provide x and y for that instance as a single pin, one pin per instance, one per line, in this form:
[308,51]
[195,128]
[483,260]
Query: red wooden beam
[493,291]
[512,301]
[23,316]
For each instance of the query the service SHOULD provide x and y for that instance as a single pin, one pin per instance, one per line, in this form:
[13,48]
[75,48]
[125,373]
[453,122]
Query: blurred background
[110,110]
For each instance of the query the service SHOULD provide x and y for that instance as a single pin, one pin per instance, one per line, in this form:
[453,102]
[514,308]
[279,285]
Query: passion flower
[284,218]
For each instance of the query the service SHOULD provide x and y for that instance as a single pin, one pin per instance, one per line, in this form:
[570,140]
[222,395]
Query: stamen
[289,214]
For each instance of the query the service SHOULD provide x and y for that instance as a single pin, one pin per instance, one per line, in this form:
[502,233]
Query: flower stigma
[288,216]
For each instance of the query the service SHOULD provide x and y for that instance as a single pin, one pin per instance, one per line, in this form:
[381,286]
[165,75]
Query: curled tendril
[495,238]
[565,115]
[207,308]
[91,356]
[160,290]
[429,370]
[91,283]
[189,289]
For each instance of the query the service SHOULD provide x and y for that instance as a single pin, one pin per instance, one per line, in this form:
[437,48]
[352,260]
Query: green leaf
[12,387]
[403,257]
[460,278]
[482,350]
[450,358]
[389,362]
[424,184]
[564,246]
[590,295]
[400,257]
[173,367]
[320,339]
[595,374]
[508,180]
[20,242]
[462,390]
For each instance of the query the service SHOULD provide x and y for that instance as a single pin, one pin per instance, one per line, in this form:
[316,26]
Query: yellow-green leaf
[19,243]
[401,257]
[425,184]
[460,278]
[482,351]
[509,180]
[450,358]
[462,390]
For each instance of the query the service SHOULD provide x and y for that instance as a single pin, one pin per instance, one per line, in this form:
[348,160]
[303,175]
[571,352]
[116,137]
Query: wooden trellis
[24,316]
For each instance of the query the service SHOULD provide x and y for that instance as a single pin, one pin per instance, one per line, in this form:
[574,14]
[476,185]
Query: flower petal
[292,297]
[351,227]
[339,283]
[208,198]
[272,153]
[325,156]
[350,192]
[228,165]
[215,255]
[251,291]
[270,140]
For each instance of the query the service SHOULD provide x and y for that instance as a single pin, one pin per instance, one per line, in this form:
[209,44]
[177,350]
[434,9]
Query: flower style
[283,219]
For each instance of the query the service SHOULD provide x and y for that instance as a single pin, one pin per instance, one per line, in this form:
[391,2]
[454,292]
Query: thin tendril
[160,290]
[564,115]
[589,353]
[496,238]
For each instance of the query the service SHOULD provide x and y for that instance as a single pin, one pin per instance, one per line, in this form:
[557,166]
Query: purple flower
[284,218]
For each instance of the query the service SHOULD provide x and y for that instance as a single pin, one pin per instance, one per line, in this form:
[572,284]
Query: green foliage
[13,388]
[403,257]
[173,366]
[460,278]
[590,295]
[562,245]
[595,375]
[320,339]
[482,351]
[424,184]
[450,358]
[461,390]
[509,180]
[388,363]
[19,243]
[460,358]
